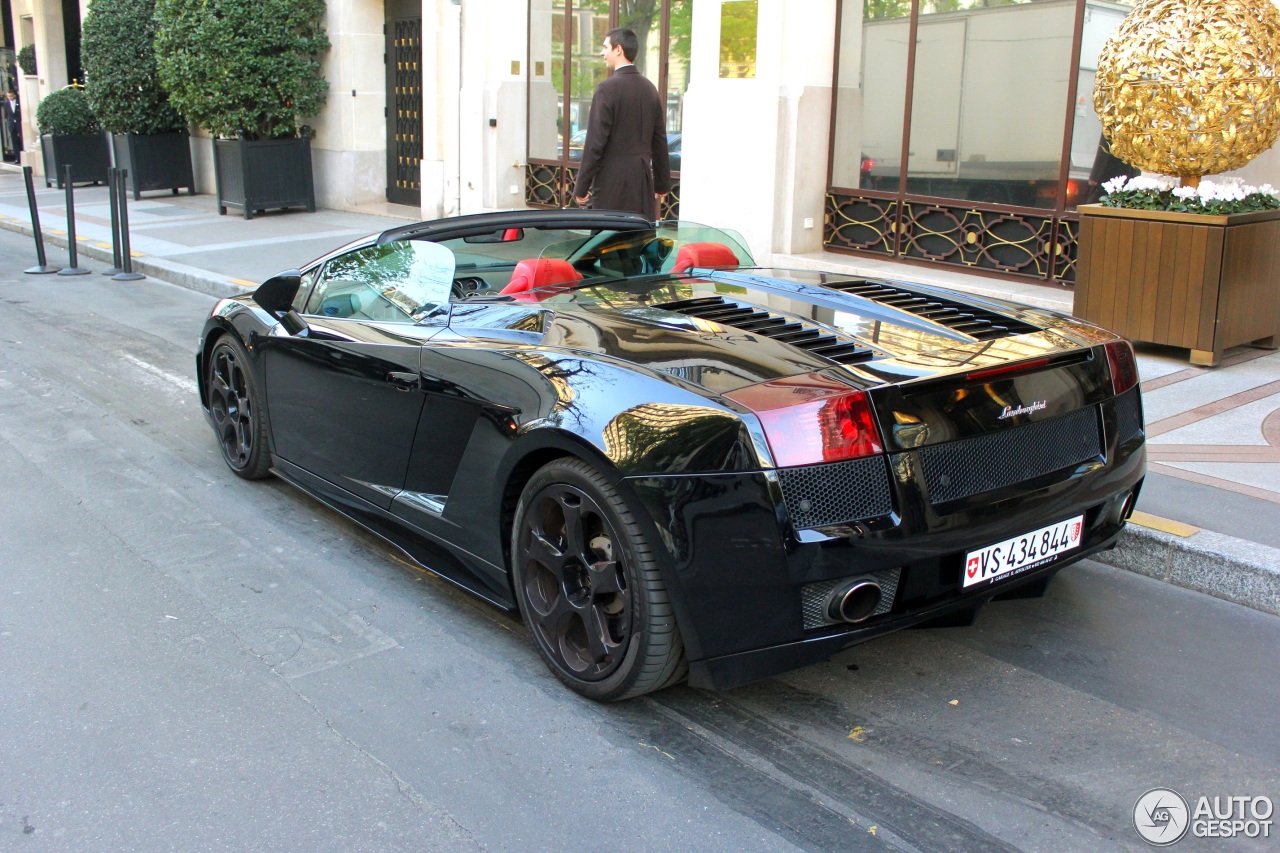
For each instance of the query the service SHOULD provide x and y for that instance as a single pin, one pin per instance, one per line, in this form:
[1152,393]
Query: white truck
[987,118]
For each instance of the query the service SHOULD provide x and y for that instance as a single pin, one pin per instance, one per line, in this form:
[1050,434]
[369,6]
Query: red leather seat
[536,273]
[704,255]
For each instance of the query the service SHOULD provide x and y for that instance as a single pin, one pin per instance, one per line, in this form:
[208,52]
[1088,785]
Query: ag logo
[1161,817]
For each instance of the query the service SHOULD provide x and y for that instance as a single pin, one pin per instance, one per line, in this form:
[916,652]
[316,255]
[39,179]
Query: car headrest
[339,305]
[704,255]
[536,273]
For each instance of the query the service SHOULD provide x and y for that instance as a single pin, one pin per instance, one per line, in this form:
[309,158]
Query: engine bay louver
[966,319]
[749,318]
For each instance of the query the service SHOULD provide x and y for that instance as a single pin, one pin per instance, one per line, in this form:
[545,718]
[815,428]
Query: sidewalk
[1209,513]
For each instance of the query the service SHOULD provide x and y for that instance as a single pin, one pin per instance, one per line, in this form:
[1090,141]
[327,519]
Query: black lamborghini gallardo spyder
[673,463]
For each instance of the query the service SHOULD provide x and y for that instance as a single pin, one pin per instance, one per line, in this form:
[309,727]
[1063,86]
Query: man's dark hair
[626,38]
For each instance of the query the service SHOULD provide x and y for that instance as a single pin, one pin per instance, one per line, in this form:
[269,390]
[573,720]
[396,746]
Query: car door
[345,395]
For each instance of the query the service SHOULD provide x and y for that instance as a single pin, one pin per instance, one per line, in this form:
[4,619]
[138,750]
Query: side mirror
[275,295]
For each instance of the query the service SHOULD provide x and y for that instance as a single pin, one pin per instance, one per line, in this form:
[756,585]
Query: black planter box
[156,161]
[263,174]
[89,156]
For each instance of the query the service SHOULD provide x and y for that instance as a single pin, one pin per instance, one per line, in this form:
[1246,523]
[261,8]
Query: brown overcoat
[624,160]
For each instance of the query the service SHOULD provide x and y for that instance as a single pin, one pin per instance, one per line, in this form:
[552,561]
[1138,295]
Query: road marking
[187,385]
[1164,525]
[241,281]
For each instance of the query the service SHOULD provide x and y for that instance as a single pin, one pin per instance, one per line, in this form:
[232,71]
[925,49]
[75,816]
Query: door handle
[403,380]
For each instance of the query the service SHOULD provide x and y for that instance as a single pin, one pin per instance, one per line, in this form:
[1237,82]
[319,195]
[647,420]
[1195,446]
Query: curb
[1225,567]
[192,278]
[1231,569]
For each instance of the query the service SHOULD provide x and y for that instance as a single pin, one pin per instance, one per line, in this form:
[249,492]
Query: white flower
[1153,183]
[1185,193]
[1115,184]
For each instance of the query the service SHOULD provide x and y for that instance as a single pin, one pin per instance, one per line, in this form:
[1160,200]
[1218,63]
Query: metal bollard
[41,267]
[113,201]
[126,257]
[73,256]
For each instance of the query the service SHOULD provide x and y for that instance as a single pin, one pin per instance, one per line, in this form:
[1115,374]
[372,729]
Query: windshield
[532,263]
[670,247]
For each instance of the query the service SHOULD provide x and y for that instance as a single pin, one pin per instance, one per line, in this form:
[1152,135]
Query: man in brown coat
[624,161]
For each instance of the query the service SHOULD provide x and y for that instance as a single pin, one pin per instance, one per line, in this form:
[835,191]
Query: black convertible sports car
[674,463]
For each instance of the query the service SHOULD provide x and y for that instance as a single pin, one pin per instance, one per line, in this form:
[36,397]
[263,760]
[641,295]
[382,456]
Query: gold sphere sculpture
[1190,87]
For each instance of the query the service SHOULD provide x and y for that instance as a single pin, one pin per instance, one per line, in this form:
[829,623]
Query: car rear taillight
[1123,364]
[810,419]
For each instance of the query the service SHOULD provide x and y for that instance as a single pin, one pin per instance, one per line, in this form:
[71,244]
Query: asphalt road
[192,662]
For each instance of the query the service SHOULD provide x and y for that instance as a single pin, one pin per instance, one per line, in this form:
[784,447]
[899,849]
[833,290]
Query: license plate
[1022,552]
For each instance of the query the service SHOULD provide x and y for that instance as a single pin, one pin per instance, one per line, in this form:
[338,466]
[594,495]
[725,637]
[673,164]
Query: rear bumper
[737,567]
[733,670]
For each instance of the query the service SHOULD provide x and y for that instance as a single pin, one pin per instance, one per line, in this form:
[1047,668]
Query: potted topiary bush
[27,60]
[71,134]
[248,72]
[149,138]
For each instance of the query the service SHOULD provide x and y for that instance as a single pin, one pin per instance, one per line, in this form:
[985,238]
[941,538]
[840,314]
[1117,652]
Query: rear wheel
[239,419]
[589,587]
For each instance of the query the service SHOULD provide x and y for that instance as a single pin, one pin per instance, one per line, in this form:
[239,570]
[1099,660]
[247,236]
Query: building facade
[952,133]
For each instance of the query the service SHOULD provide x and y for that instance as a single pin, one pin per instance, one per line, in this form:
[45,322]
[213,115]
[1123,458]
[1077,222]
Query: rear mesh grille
[789,330]
[976,322]
[1128,415]
[970,466]
[813,597]
[819,495]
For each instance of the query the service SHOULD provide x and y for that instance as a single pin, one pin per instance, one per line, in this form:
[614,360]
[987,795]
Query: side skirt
[429,552]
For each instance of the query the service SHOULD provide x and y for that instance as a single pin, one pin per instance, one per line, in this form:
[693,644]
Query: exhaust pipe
[1126,509]
[855,601]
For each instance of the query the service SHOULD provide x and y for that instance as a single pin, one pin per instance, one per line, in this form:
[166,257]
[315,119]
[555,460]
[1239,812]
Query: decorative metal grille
[863,223]
[543,184]
[671,203]
[549,183]
[407,48]
[962,234]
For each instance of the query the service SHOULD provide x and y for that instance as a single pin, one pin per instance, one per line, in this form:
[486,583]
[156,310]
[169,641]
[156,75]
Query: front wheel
[239,418]
[589,587]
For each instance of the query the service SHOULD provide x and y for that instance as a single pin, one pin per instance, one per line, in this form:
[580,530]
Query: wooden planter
[1189,280]
[156,161]
[89,156]
[263,174]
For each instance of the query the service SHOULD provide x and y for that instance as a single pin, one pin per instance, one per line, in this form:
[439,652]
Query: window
[399,282]
[565,66]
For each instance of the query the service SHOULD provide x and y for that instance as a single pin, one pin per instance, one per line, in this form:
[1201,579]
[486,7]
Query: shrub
[242,67]
[27,59]
[118,53]
[66,112]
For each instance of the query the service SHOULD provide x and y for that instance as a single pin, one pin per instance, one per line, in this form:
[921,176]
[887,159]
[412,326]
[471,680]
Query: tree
[120,64]
[243,67]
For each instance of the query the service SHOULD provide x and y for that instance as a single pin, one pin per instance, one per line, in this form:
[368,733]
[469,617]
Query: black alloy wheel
[239,421]
[589,587]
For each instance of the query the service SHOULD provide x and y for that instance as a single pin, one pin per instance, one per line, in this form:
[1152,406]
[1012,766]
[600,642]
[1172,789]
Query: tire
[239,418]
[589,588]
